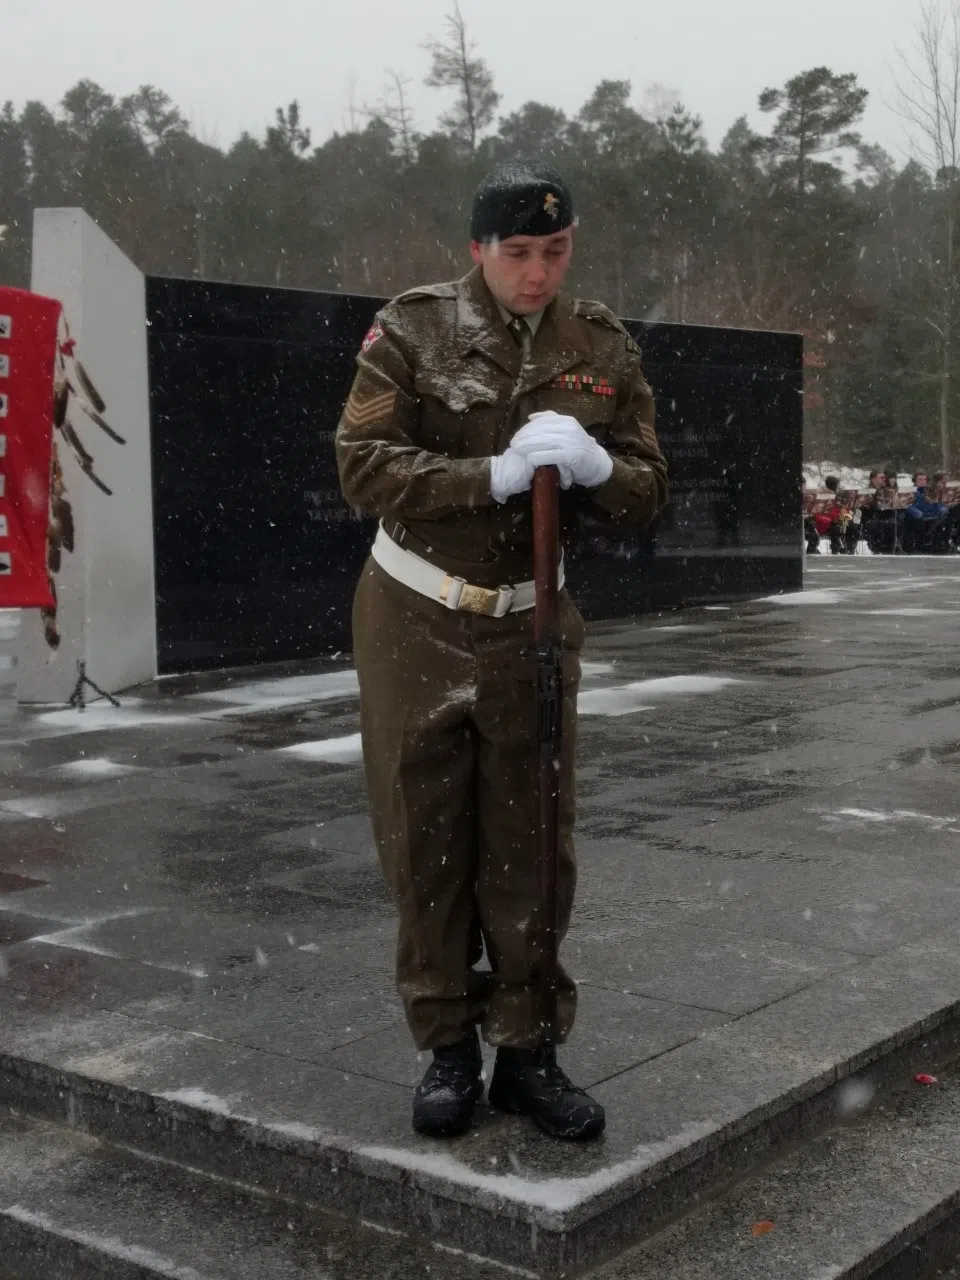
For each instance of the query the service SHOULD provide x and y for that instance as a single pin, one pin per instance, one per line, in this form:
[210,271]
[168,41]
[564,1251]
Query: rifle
[548,645]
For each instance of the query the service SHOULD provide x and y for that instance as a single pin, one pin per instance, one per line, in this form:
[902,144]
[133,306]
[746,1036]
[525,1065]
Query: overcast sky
[230,63]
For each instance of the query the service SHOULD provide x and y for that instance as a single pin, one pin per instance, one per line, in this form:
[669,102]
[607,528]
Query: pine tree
[454,65]
[14,200]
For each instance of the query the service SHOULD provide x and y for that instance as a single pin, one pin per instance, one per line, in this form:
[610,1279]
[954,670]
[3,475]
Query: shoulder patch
[597,311]
[446,290]
[373,333]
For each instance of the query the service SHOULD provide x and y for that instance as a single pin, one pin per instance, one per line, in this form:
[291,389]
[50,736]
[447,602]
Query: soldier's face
[524,273]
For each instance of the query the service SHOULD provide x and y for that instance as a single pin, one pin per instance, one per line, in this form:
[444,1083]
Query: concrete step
[878,1197]
[72,1208]
[875,1199]
[681,1125]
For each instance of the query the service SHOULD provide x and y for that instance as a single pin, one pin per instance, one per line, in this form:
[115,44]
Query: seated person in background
[926,524]
[937,492]
[848,501]
[833,523]
[812,538]
[875,530]
[890,520]
[811,535]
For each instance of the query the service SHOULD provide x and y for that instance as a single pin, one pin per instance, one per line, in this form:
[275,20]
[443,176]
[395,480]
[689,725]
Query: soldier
[462,390]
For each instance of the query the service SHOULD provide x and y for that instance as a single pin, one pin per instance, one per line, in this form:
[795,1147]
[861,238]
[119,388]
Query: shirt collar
[532,320]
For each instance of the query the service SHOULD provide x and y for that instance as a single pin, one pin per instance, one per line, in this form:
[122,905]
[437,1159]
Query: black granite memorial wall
[257,555]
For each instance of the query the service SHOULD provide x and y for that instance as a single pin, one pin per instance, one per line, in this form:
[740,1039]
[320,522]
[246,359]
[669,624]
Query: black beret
[520,199]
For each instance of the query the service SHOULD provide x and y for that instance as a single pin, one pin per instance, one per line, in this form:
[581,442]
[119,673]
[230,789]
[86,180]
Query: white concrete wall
[106,588]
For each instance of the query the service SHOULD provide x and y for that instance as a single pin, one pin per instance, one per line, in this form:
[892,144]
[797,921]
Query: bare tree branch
[928,101]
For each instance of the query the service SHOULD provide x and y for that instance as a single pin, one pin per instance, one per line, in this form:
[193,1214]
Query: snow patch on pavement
[887,815]
[213,1103]
[683,626]
[201,1099]
[73,939]
[558,1194]
[597,668]
[823,595]
[330,750]
[908,611]
[96,767]
[275,695]
[295,1129]
[91,949]
[625,699]
[40,806]
[109,1245]
[100,716]
[479,1258]
[14,907]
[611,702]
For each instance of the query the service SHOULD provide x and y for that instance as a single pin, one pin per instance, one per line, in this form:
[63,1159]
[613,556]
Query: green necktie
[520,332]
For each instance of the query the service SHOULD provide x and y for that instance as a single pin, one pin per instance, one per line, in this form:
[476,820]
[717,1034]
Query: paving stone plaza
[205,1068]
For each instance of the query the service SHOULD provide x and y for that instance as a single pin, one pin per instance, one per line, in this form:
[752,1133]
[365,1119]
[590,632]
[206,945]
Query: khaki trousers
[448,718]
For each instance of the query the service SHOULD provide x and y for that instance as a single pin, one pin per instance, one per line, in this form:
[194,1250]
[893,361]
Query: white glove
[553,439]
[510,473]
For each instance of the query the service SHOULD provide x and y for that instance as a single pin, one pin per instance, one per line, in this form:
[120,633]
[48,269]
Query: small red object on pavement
[761,1228]
[922,1078]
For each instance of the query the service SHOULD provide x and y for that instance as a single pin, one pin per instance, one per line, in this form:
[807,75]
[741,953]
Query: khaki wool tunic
[447,697]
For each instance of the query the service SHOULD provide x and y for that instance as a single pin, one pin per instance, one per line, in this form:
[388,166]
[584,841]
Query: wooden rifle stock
[548,644]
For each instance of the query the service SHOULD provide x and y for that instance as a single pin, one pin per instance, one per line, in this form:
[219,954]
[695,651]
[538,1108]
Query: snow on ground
[293,691]
[246,699]
[815,473]
[96,767]
[345,750]
[134,713]
[557,1193]
[146,1261]
[74,939]
[454,1252]
[825,595]
[625,699]
[908,611]
[200,1098]
[619,701]
[72,921]
[683,626]
[589,669]
[48,807]
[866,816]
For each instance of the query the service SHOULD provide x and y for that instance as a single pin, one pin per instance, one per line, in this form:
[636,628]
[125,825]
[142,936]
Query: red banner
[28,348]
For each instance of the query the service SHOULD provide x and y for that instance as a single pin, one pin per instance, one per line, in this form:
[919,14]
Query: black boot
[446,1096]
[528,1082]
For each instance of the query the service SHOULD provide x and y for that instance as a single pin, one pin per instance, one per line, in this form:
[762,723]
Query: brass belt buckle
[478,599]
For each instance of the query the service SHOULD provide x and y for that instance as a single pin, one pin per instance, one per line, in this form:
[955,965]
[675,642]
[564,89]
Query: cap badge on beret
[520,199]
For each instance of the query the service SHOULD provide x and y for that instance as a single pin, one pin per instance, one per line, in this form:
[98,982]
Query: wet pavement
[769,827]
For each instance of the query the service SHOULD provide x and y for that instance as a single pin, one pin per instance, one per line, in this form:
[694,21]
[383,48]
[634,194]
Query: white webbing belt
[421,576]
